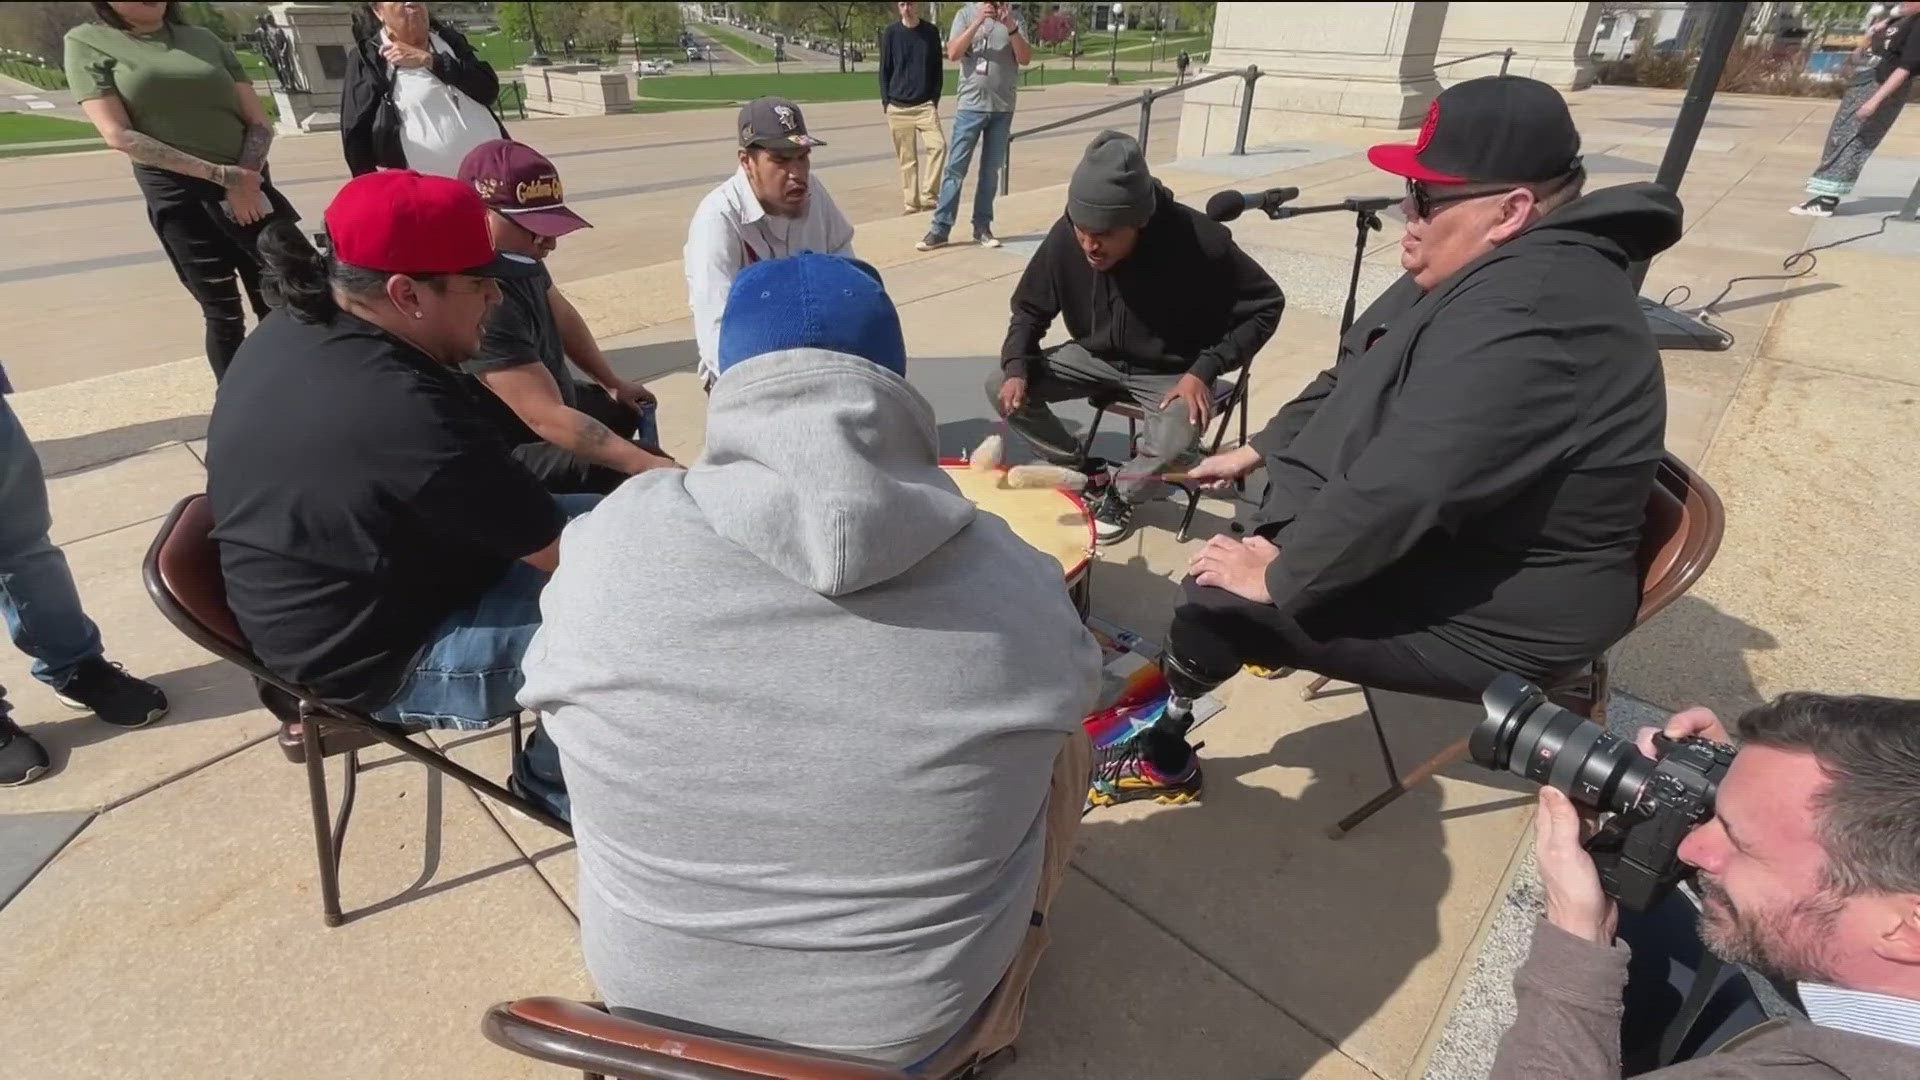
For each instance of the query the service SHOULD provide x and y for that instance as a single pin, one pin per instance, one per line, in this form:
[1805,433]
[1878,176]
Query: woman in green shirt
[175,99]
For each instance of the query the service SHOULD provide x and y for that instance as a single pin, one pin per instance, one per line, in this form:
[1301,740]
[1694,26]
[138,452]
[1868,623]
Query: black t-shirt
[521,331]
[1897,46]
[359,497]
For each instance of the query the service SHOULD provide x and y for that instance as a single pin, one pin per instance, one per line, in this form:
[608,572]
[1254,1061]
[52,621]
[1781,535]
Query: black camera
[1653,803]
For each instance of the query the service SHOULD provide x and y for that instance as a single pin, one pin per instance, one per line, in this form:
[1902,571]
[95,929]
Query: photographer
[1809,870]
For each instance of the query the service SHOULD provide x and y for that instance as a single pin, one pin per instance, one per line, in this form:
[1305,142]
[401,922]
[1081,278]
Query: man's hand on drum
[1218,472]
[1013,394]
[1238,566]
[1193,393]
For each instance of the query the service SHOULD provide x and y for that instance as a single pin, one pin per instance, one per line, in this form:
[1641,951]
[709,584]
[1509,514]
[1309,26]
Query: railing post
[1911,211]
[1006,170]
[1146,117]
[1246,110]
[1505,59]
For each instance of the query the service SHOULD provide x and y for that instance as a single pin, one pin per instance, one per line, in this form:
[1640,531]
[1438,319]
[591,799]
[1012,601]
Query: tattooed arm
[109,116]
[253,151]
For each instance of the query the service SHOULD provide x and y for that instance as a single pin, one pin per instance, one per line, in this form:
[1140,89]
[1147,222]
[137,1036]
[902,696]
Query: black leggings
[212,255]
[1214,632]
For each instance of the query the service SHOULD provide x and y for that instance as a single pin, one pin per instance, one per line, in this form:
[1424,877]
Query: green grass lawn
[254,63]
[16,127]
[819,86]
[759,54]
[45,78]
[499,50]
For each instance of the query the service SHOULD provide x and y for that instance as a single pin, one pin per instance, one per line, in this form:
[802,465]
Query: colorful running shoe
[1125,776]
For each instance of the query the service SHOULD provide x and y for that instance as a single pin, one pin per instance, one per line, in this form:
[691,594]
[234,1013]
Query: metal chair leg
[1400,786]
[1093,429]
[1312,689]
[322,832]
[349,787]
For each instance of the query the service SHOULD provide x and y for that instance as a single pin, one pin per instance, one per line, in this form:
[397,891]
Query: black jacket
[369,123]
[1187,300]
[1479,457]
[912,64]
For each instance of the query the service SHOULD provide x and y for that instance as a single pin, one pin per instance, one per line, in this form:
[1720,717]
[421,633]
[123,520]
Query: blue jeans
[37,597]
[991,131]
[470,671]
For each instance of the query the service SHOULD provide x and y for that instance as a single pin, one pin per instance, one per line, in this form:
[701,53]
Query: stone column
[318,38]
[1550,42]
[1370,63]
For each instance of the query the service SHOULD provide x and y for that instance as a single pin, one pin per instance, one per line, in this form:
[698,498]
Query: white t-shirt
[731,230]
[438,123]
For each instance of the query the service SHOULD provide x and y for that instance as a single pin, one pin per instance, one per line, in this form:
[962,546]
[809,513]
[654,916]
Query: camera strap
[1706,980]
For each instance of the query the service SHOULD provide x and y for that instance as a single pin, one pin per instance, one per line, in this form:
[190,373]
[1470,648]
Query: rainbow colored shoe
[1124,775]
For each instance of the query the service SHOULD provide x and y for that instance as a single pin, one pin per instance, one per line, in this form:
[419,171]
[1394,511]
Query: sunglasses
[1425,202]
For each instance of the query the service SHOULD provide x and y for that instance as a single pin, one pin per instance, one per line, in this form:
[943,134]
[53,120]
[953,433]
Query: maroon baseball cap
[398,221]
[518,181]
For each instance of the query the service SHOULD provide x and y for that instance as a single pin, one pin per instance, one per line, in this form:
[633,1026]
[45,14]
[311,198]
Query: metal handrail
[1145,103]
[1505,55]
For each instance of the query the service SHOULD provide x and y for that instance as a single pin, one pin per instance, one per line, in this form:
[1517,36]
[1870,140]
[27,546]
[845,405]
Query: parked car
[648,67]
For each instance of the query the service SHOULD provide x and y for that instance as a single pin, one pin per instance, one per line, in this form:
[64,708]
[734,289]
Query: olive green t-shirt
[177,84]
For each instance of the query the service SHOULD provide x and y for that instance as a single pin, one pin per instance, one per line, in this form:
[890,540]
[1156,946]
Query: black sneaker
[934,239]
[22,759]
[1111,517]
[985,238]
[1818,206]
[111,694]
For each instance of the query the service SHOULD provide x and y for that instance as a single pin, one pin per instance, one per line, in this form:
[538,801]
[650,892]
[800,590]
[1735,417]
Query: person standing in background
[416,96]
[42,611]
[990,47]
[175,99]
[1867,111]
[911,78]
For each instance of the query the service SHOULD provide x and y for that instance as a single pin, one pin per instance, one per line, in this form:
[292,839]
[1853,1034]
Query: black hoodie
[1479,458]
[1187,300]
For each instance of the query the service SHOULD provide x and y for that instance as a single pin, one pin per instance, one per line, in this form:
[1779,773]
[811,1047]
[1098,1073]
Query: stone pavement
[1232,938]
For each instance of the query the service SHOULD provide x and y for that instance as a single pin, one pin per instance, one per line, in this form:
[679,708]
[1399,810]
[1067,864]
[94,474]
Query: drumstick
[1058,477]
[987,456]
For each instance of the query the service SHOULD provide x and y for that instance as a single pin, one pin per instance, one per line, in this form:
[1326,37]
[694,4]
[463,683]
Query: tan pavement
[178,934]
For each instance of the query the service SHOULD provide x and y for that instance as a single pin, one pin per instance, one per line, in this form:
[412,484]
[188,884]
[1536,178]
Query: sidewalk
[1231,939]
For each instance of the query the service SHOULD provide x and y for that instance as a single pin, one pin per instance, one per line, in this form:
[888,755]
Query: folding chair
[182,572]
[584,1036]
[1684,523]
[1229,399]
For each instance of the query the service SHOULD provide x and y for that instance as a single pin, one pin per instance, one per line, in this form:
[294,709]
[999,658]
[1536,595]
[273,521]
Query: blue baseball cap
[811,301]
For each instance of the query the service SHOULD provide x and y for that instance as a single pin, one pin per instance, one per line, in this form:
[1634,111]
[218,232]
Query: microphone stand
[1366,215]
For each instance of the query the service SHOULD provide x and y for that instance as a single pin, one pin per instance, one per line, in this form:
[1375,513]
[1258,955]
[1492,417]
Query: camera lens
[1527,735]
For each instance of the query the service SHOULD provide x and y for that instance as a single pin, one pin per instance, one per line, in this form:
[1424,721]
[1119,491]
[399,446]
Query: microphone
[1227,205]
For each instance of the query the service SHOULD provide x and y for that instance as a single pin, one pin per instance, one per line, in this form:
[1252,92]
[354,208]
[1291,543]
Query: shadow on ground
[1693,654]
[81,453]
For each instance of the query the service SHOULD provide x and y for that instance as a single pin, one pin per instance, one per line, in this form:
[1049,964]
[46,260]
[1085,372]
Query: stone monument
[1365,62]
[307,46]
[576,90]
[1550,42]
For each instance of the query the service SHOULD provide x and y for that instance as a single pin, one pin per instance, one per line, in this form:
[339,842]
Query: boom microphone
[1227,205]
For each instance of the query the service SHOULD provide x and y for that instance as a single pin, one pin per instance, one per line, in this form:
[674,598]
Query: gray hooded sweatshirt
[807,700]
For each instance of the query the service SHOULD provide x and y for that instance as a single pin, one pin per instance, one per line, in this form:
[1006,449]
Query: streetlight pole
[539,56]
[1113,58]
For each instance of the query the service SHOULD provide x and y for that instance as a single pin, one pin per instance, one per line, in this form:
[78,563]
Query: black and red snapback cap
[1496,129]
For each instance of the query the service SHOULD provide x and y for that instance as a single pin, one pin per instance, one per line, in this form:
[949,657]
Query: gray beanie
[1111,187]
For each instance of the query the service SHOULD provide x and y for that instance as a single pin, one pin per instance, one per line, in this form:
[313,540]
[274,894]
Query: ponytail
[295,275]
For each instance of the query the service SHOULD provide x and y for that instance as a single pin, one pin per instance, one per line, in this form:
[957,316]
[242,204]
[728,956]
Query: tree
[654,23]
[1054,29]
[559,21]
[37,29]
[1822,19]
[844,21]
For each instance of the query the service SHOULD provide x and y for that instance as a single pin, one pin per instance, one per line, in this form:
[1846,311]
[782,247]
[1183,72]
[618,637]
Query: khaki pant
[997,1024]
[919,185]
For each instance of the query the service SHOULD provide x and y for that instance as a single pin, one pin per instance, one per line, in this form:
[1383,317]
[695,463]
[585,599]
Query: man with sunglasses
[1462,492]
[578,438]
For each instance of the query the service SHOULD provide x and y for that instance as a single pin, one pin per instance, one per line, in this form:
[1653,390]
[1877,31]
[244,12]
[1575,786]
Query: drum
[1055,522]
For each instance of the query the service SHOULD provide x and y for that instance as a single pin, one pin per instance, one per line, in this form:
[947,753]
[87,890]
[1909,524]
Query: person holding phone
[175,99]
[990,46]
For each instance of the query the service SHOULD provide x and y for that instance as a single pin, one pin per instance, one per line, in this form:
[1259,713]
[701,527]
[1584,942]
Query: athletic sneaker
[22,759]
[1112,518]
[985,238]
[111,694]
[1129,777]
[1818,206]
[934,239]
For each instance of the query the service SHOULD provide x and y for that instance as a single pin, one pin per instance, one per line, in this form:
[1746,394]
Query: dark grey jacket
[1567,1027]
[1479,457]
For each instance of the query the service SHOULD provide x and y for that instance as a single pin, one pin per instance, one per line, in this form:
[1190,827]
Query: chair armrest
[582,1036]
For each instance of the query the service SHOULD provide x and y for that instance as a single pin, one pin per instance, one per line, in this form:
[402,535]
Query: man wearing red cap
[1461,493]
[380,546]
[576,437]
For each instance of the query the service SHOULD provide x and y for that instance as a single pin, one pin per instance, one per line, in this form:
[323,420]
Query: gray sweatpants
[1071,373]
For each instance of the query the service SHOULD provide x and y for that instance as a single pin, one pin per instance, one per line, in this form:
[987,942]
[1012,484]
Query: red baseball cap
[519,182]
[398,221]
[1494,129]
